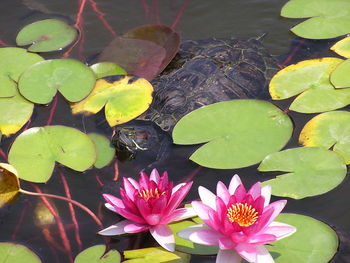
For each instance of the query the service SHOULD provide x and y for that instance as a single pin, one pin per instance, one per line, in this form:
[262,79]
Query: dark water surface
[27,220]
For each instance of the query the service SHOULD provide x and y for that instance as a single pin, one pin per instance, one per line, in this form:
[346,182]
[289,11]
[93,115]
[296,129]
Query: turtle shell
[208,71]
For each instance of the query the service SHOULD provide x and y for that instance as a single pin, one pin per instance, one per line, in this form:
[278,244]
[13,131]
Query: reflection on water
[201,19]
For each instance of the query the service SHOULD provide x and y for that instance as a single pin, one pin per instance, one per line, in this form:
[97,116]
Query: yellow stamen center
[150,193]
[243,214]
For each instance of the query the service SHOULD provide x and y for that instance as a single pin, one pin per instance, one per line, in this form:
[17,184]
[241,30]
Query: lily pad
[311,79]
[104,151]
[125,98]
[155,255]
[328,19]
[304,167]
[313,242]
[14,252]
[72,78]
[35,151]
[14,113]
[9,184]
[342,47]
[46,35]
[161,35]
[340,77]
[104,69]
[138,57]
[253,130]
[97,254]
[329,130]
[187,246]
[13,61]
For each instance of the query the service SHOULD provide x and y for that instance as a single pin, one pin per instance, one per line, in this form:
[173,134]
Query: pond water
[27,221]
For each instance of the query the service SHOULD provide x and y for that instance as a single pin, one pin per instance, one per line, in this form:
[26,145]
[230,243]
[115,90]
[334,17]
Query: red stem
[52,111]
[101,16]
[19,223]
[71,210]
[292,54]
[146,10]
[116,171]
[156,11]
[4,155]
[179,14]
[48,237]
[62,231]
[2,43]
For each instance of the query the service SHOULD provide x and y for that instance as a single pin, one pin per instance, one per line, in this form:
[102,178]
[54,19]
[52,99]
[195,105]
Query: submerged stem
[83,207]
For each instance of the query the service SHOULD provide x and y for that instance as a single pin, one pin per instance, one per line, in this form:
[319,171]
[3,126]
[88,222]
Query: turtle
[203,72]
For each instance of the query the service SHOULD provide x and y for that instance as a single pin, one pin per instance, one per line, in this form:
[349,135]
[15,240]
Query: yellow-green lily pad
[328,19]
[236,133]
[14,113]
[310,79]
[46,35]
[104,151]
[72,78]
[13,61]
[98,254]
[155,255]
[342,47]
[313,242]
[329,130]
[104,69]
[125,98]
[35,151]
[340,77]
[14,252]
[304,167]
[9,184]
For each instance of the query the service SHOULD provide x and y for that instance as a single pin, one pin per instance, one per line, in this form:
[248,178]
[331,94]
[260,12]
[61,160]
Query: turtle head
[133,137]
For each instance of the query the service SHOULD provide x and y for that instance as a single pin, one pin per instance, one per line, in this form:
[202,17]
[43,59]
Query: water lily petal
[277,208]
[266,193]
[222,191]
[130,215]
[263,255]
[114,201]
[129,189]
[246,251]
[235,182]
[280,230]
[226,243]
[154,176]
[178,196]
[135,228]
[164,236]
[116,229]
[186,232]
[110,207]
[134,183]
[240,193]
[179,214]
[255,190]
[261,239]
[206,237]
[207,197]
[177,187]
[228,256]
[201,209]
[144,180]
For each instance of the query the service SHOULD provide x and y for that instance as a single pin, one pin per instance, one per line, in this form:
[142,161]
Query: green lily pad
[125,98]
[13,61]
[237,133]
[311,79]
[72,78]
[104,69]
[340,77]
[46,35]
[9,184]
[14,113]
[314,241]
[187,246]
[97,254]
[35,151]
[329,130]
[104,151]
[155,255]
[304,167]
[14,252]
[328,19]
[342,47]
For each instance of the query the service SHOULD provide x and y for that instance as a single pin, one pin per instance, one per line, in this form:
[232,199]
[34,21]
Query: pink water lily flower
[237,221]
[150,204]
